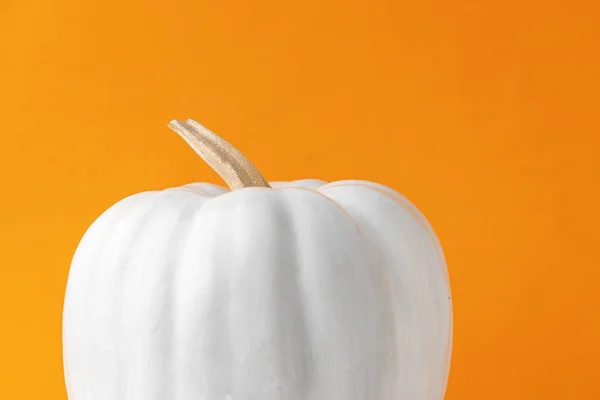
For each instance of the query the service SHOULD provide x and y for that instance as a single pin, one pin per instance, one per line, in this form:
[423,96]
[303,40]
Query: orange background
[485,114]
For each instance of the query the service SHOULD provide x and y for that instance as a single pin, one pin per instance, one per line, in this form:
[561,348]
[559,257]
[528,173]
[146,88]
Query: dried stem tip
[227,161]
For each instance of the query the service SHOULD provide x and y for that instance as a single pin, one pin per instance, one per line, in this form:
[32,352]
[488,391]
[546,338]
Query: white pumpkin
[290,291]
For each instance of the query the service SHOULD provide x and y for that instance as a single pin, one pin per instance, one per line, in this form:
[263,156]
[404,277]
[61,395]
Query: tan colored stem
[231,165]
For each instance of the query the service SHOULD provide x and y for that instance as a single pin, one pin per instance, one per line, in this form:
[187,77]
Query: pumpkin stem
[227,161]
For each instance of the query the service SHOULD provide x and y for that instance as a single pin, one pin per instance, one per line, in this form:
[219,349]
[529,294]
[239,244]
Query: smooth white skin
[306,291]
